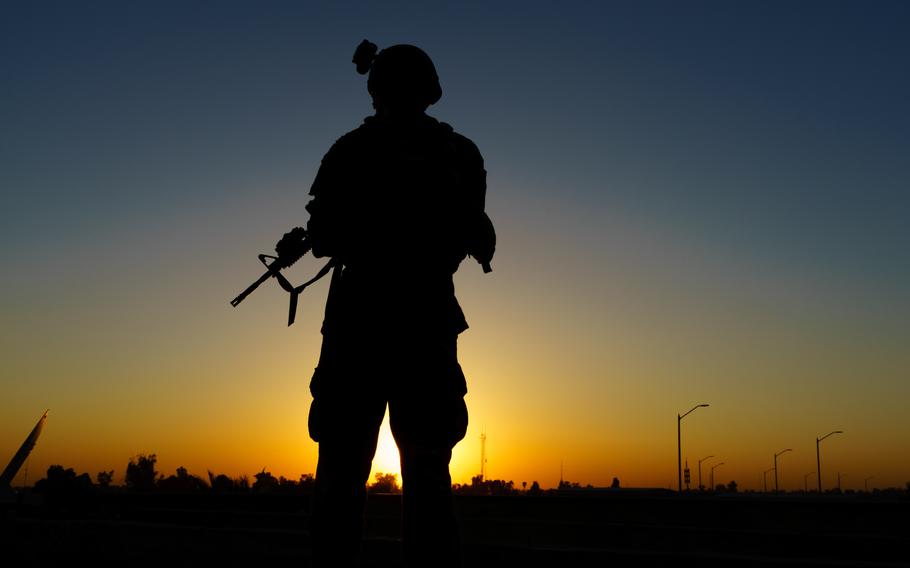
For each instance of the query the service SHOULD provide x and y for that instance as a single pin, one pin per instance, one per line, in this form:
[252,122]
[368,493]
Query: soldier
[397,204]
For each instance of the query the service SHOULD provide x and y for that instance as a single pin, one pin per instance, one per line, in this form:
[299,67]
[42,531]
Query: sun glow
[387,458]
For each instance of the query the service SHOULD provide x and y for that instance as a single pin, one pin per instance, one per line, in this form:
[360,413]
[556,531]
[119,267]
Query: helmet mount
[401,76]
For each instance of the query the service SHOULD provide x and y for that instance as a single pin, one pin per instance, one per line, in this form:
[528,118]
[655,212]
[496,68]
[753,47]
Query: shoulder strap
[295,292]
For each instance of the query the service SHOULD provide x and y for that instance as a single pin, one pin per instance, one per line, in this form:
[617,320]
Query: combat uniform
[397,204]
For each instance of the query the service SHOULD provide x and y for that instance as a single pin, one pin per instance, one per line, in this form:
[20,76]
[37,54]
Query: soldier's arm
[323,225]
[480,235]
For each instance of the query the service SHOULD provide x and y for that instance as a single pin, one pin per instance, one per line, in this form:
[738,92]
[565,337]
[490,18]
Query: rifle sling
[295,292]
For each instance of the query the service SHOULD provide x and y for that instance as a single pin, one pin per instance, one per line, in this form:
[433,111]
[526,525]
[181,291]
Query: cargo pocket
[460,422]
[313,422]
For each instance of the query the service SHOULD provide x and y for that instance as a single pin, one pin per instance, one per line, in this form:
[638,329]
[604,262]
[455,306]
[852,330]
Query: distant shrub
[140,472]
[64,488]
[220,483]
[182,482]
[385,483]
[265,482]
[105,478]
[307,483]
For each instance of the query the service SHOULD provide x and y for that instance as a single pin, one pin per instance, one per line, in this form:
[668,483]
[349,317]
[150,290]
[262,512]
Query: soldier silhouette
[397,204]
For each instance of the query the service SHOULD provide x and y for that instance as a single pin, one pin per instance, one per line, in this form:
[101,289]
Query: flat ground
[623,528]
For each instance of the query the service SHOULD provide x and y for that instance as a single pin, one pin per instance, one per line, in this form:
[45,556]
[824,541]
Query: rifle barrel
[268,274]
[273,269]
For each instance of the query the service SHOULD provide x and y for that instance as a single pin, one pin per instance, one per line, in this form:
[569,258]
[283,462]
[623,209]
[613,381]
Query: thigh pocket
[313,421]
[460,421]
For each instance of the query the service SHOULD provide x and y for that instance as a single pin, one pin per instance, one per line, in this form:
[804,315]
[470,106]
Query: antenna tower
[483,455]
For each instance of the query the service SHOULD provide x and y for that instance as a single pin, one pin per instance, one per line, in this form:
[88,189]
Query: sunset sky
[696,202]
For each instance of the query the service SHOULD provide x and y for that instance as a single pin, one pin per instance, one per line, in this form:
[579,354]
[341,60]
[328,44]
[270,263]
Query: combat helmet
[400,76]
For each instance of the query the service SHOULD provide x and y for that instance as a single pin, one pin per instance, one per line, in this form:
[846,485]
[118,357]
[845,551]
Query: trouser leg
[426,431]
[348,432]
[430,533]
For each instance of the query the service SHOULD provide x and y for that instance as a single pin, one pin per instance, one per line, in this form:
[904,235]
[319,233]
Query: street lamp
[776,489]
[806,480]
[700,487]
[679,442]
[713,467]
[818,460]
[866,482]
[764,478]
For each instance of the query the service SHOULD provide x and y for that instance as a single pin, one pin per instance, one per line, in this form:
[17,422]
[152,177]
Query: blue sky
[685,181]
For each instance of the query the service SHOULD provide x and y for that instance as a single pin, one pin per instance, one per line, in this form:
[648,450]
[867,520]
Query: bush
[140,472]
[385,483]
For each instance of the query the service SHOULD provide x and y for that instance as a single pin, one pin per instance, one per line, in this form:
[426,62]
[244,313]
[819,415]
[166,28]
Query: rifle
[287,256]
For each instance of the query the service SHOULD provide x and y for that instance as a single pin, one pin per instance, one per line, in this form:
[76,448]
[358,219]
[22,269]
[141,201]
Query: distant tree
[535,489]
[182,482]
[524,485]
[286,485]
[499,487]
[615,483]
[385,483]
[105,478]
[64,488]
[307,483]
[265,482]
[220,483]
[242,483]
[59,478]
[481,486]
[732,487]
[140,472]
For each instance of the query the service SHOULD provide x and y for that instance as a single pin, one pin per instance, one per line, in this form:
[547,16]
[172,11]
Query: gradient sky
[695,202]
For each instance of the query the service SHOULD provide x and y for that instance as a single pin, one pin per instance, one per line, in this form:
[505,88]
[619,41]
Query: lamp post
[700,487]
[866,482]
[679,442]
[776,488]
[713,467]
[764,478]
[806,480]
[818,460]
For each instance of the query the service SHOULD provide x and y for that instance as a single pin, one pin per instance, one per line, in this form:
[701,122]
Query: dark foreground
[610,529]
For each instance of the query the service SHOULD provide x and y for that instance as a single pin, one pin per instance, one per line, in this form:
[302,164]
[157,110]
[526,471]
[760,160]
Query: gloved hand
[292,245]
[482,241]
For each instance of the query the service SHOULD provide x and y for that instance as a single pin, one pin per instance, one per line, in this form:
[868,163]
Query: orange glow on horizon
[387,458]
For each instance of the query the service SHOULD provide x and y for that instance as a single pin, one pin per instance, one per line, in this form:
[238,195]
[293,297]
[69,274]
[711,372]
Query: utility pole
[713,467]
[679,418]
[700,486]
[776,488]
[764,478]
[806,480]
[818,460]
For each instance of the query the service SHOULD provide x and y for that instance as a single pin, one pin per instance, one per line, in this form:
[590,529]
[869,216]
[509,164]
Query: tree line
[142,475]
